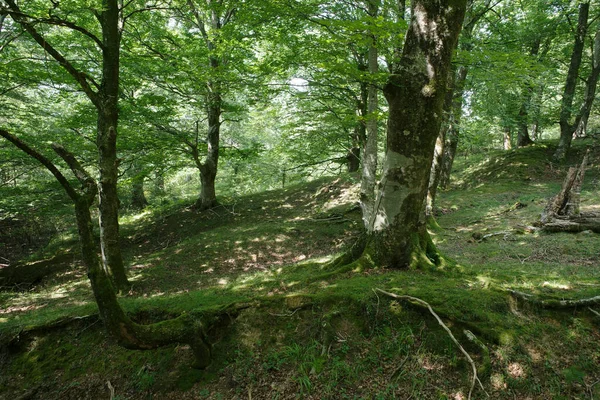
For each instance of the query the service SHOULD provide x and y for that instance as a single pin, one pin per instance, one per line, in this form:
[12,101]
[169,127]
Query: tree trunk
[453,133]
[566,128]
[506,139]
[106,142]
[359,136]
[590,91]
[138,197]
[128,334]
[523,138]
[438,152]
[353,158]
[208,170]
[369,161]
[397,234]
[566,202]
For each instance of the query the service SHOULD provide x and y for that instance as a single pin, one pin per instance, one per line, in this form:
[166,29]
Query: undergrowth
[314,333]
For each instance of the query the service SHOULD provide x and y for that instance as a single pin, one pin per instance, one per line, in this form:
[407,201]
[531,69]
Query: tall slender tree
[103,92]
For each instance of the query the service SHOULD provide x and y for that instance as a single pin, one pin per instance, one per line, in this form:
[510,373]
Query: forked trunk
[128,334]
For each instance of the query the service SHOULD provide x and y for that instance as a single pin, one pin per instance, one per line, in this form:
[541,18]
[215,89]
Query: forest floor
[314,333]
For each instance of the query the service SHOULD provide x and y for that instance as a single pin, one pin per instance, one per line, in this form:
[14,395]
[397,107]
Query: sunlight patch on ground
[516,370]
[556,285]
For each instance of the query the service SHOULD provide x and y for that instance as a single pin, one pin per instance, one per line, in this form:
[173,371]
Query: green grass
[325,334]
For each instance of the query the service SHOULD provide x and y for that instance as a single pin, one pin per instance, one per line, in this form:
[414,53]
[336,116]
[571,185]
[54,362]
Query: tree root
[439,320]
[554,303]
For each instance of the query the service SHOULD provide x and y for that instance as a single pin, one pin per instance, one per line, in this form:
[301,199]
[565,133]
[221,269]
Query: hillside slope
[307,331]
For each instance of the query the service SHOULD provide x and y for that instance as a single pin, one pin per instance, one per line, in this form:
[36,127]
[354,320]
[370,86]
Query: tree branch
[44,161]
[81,77]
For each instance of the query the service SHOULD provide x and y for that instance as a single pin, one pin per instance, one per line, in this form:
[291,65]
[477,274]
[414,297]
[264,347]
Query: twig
[112,390]
[377,311]
[591,389]
[284,315]
[439,320]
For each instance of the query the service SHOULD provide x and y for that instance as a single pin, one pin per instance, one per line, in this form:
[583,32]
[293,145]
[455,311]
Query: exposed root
[439,320]
[554,303]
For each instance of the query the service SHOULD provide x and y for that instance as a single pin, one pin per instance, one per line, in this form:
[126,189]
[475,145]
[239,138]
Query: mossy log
[580,223]
[25,275]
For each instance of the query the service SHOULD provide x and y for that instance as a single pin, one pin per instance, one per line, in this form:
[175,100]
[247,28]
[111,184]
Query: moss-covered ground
[315,334]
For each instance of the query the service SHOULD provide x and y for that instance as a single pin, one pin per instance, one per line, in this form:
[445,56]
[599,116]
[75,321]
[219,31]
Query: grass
[325,335]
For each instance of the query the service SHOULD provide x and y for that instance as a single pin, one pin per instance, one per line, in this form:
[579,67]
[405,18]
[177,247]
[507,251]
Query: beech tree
[397,236]
[102,89]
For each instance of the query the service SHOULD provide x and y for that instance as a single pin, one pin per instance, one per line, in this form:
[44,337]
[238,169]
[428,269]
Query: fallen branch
[554,303]
[594,311]
[439,320]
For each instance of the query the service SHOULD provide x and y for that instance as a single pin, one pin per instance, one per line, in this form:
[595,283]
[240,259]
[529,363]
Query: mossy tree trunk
[397,233]
[104,96]
[523,138]
[128,334]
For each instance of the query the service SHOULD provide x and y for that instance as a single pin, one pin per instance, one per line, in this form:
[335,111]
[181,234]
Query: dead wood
[563,213]
[24,276]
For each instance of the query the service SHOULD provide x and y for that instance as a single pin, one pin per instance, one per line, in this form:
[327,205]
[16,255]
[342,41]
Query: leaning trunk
[397,233]
[590,91]
[566,128]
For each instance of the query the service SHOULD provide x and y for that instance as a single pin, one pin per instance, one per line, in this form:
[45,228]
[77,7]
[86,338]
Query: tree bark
[438,152]
[369,160]
[209,29]
[106,142]
[506,138]
[105,100]
[208,168]
[397,233]
[566,128]
[138,197]
[453,133]
[128,334]
[590,91]
[523,138]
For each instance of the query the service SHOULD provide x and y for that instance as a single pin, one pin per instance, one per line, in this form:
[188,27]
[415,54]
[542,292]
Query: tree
[397,236]
[104,96]
[184,329]
[566,127]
